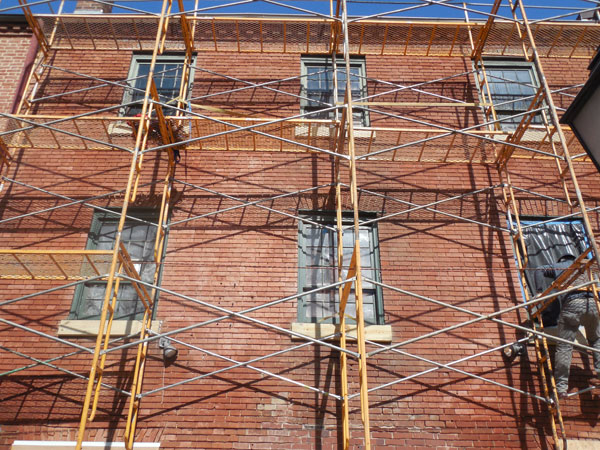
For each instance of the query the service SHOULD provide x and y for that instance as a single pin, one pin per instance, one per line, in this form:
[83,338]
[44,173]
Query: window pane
[320,259]
[138,238]
[319,305]
[106,235]
[167,78]
[508,86]
[319,87]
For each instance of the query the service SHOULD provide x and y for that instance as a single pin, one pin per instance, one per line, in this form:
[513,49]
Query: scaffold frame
[341,139]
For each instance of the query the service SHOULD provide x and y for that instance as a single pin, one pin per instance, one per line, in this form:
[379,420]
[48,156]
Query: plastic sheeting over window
[546,243]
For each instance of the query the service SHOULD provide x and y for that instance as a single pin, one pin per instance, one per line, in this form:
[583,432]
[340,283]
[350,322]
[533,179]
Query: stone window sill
[89,328]
[376,333]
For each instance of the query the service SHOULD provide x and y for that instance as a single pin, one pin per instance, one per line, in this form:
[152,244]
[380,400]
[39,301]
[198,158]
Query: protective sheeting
[546,243]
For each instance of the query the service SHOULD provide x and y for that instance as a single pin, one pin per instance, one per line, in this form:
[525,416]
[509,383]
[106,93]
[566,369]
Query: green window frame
[168,73]
[510,81]
[138,236]
[317,267]
[317,87]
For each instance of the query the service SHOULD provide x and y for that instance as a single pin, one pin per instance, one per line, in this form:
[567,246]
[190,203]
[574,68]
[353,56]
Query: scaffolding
[501,29]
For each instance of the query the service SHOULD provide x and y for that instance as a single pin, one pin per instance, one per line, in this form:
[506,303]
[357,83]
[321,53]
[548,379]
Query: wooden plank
[424,104]
[54,252]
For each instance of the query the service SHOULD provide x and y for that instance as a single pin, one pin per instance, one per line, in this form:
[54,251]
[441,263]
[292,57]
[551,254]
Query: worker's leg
[568,323]
[591,322]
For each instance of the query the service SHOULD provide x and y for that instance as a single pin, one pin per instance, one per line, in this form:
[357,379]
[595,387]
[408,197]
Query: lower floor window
[546,243]
[318,267]
[139,237]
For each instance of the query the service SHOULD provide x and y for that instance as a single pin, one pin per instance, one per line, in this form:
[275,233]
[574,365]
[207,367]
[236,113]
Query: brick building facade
[251,225]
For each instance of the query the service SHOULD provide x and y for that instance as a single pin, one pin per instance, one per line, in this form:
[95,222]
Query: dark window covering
[545,245]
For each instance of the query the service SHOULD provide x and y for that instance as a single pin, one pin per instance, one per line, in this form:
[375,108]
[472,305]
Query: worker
[576,308]
[542,282]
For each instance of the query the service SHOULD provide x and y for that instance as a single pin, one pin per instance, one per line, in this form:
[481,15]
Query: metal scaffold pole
[354,198]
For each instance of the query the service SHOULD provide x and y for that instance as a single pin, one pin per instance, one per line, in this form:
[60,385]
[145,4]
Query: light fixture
[582,115]
[169,351]
[513,350]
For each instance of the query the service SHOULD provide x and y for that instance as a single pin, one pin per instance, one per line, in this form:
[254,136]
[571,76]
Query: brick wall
[247,256]
[15,39]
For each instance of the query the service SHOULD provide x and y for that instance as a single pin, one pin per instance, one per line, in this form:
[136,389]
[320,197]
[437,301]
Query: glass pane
[370,274]
[106,235]
[523,76]
[146,271]
[139,232]
[319,305]
[324,271]
[91,304]
[348,239]
[138,238]
[313,278]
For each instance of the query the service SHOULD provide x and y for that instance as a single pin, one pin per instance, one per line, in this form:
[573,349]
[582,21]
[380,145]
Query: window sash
[139,240]
[318,87]
[168,74]
[318,267]
[507,85]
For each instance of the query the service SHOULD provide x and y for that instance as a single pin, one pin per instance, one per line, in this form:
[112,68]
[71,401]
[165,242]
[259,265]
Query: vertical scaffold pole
[340,258]
[339,148]
[360,320]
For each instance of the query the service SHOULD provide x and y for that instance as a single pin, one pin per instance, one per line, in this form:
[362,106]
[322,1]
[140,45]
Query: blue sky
[536,8]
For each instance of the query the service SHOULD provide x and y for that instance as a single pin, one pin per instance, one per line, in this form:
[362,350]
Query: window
[317,85]
[546,243]
[138,237]
[509,82]
[168,73]
[317,263]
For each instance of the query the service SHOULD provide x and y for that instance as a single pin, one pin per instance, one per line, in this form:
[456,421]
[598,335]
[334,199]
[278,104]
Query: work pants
[578,309]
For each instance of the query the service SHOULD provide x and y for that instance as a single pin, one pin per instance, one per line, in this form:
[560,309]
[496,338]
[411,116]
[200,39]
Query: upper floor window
[318,267]
[513,86]
[168,73]
[318,87]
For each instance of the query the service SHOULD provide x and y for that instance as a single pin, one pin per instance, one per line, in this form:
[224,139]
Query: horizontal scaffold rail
[416,143]
[313,35]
